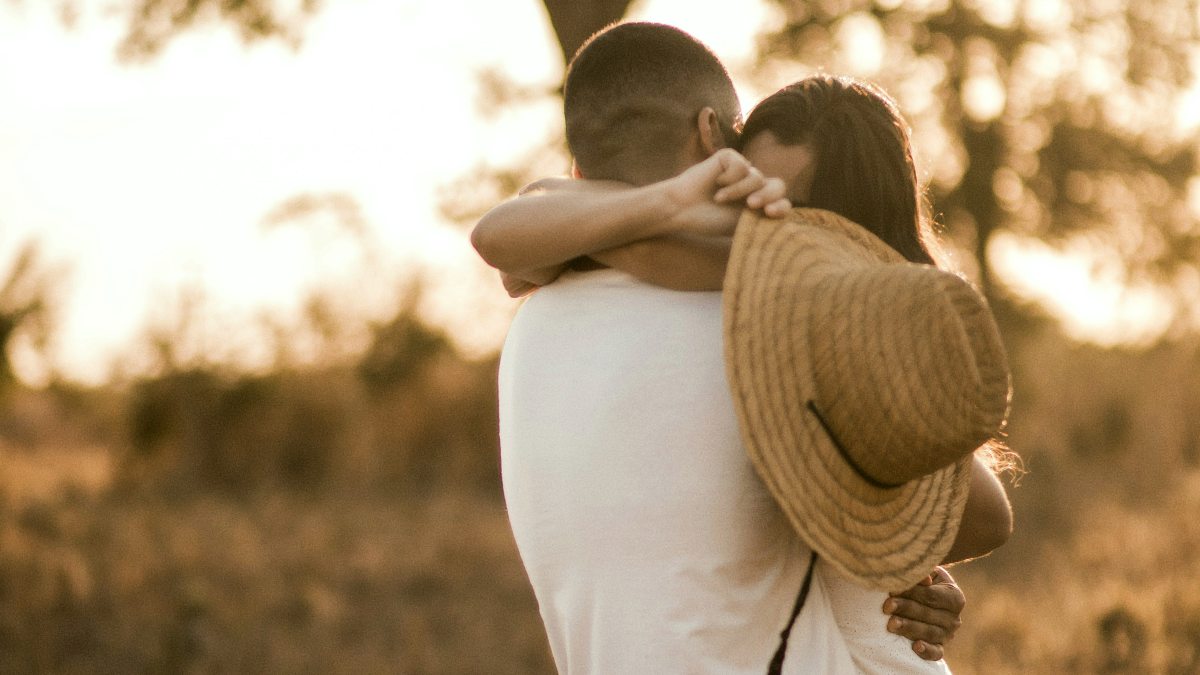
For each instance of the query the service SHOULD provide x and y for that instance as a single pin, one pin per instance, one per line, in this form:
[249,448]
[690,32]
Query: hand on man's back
[927,614]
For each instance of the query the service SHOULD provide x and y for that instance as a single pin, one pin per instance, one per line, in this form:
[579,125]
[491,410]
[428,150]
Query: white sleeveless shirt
[650,543]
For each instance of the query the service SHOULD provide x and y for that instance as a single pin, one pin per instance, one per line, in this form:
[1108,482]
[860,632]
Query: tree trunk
[574,21]
[976,194]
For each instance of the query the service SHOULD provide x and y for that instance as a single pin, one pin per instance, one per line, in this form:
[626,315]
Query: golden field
[349,519]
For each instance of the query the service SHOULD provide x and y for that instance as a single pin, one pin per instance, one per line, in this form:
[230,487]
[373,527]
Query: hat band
[845,455]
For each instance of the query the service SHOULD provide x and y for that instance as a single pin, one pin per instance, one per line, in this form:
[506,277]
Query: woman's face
[794,164]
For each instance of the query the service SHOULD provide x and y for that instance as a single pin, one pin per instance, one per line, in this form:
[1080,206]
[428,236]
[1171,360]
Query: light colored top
[649,541]
[860,618]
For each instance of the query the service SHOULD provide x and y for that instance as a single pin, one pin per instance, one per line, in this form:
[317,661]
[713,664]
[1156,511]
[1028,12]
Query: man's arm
[928,613]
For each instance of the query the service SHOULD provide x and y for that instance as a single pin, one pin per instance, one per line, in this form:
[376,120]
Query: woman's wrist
[662,210]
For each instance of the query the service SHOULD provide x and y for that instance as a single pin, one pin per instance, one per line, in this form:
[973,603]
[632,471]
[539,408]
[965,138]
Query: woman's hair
[864,171]
[864,164]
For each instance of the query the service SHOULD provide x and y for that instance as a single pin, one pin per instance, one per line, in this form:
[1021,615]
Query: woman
[841,145]
[825,142]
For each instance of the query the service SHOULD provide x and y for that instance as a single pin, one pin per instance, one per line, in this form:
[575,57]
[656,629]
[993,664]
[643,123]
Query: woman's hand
[709,196]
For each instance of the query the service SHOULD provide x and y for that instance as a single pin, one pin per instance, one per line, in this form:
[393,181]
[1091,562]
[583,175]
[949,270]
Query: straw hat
[862,383]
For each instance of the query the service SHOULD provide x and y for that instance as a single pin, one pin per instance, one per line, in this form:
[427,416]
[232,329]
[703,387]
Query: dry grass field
[178,525]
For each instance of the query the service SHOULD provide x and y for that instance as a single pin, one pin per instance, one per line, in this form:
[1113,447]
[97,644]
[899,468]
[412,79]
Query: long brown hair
[865,172]
[864,163]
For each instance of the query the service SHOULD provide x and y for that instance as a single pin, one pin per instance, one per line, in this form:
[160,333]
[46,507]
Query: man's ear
[575,172]
[709,126]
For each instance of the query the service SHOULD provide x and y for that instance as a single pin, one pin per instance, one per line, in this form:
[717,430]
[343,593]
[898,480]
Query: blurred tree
[467,198]
[25,290]
[575,21]
[401,346]
[152,23]
[1057,120]
[1045,119]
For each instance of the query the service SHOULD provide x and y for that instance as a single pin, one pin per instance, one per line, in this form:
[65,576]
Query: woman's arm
[531,236]
[680,262]
[987,518]
[551,227]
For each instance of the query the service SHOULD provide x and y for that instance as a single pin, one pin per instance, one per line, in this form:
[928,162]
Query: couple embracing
[737,436]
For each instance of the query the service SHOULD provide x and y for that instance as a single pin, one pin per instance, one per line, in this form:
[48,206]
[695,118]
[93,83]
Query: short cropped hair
[631,98]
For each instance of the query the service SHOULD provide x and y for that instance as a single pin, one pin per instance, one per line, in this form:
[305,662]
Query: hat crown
[862,384]
[904,385]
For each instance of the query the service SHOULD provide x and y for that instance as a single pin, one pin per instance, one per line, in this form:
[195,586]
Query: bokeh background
[247,357]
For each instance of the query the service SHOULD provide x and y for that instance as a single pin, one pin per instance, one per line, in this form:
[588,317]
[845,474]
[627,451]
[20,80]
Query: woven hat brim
[882,538]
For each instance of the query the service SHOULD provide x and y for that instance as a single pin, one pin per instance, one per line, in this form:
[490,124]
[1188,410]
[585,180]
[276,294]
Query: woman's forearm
[987,518]
[574,218]
[550,228]
[679,262]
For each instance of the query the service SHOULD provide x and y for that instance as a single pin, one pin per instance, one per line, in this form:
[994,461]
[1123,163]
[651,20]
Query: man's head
[644,101]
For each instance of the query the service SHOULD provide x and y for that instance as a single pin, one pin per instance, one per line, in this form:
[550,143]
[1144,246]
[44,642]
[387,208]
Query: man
[651,544]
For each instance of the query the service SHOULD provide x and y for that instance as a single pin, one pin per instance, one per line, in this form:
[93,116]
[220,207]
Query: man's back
[651,544]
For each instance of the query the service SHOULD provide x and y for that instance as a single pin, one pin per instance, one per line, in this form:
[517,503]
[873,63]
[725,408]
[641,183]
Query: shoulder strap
[776,666]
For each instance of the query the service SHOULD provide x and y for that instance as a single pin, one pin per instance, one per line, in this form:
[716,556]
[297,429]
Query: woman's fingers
[771,198]
[778,208]
[750,182]
[734,167]
[738,181]
[768,195]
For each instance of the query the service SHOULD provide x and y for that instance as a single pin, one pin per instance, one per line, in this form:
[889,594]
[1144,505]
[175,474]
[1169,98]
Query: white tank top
[651,545]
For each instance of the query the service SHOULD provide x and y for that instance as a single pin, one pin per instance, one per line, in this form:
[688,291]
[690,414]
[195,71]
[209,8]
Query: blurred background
[247,357]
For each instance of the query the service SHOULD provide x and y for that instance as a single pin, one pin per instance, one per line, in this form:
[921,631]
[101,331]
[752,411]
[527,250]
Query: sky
[141,180]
